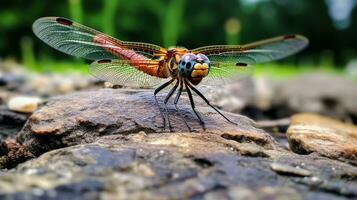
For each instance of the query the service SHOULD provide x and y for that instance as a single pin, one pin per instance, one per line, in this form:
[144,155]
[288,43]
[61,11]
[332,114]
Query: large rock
[265,98]
[84,116]
[177,166]
[11,123]
[326,94]
[110,144]
[314,133]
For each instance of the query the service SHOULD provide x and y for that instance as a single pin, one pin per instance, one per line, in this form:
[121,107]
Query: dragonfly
[137,64]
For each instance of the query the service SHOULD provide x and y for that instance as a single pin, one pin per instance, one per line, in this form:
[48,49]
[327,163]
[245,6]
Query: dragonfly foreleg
[176,101]
[193,105]
[157,90]
[168,96]
[208,103]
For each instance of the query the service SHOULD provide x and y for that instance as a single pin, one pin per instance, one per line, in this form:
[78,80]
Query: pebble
[289,170]
[23,104]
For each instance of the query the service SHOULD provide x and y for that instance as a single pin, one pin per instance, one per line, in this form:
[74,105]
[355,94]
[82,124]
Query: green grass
[284,71]
[62,67]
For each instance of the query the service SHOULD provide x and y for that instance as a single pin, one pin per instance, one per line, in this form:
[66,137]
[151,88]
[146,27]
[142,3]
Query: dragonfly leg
[168,96]
[175,103]
[157,90]
[208,103]
[193,106]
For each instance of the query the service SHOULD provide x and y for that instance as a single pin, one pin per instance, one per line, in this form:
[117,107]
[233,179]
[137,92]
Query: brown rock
[84,116]
[314,133]
[12,153]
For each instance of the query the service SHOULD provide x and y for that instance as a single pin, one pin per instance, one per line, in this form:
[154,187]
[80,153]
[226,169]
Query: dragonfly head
[194,66]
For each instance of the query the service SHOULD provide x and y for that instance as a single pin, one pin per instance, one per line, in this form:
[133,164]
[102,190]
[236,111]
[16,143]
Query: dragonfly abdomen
[136,60]
[154,69]
[115,49]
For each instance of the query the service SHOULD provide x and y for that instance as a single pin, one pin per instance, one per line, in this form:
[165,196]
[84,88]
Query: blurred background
[321,78]
[329,24]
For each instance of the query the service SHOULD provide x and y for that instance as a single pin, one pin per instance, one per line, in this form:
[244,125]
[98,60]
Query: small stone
[264,93]
[144,170]
[289,170]
[142,133]
[328,137]
[315,179]
[24,104]
[108,85]
[66,86]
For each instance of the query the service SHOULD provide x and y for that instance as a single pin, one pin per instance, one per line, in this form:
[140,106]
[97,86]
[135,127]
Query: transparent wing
[222,73]
[81,41]
[232,62]
[257,52]
[120,72]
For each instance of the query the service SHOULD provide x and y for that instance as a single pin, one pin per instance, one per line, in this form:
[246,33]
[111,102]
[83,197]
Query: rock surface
[264,98]
[11,122]
[110,144]
[314,133]
[82,117]
[326,94]
[175,166]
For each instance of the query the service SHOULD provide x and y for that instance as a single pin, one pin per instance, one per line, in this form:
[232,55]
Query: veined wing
[229,61]
[120,72]
[81,41]
[257,52]
[226,72]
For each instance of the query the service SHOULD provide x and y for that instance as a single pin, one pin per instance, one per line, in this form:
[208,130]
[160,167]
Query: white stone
[23,104]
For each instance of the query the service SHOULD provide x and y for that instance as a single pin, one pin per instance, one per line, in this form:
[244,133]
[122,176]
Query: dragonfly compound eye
[185,68]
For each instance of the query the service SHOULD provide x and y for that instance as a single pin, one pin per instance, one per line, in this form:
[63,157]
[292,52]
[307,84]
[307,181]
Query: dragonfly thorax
[194,67]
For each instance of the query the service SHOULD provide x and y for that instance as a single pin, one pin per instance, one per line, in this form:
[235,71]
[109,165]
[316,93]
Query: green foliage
[28,57]
[63,67]
[8,19]
[76,11]
[172,22]
[184,23]
[108,13]
[285,71]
